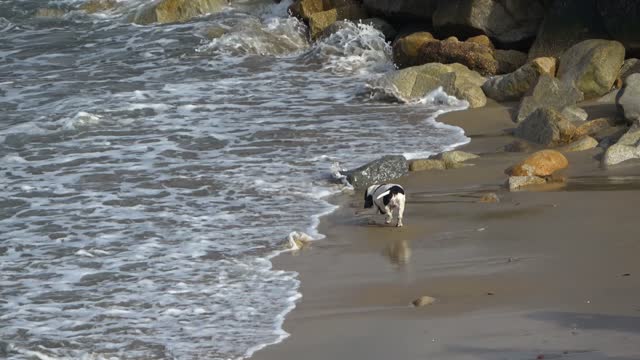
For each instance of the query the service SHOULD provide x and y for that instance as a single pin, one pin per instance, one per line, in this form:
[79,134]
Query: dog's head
[368,196]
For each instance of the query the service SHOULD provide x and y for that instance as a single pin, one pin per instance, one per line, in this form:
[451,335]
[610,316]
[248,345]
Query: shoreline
[358,282]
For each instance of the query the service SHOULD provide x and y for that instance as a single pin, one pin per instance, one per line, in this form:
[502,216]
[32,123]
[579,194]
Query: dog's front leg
[389,214]
[400,211]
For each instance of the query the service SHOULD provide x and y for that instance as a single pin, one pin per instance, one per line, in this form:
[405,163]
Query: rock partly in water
[416,82]
[628,100]
[49,13]
[173,11]
[427,164]
[514,86]
[547,127]
[518,182]
[582,144]
[541,163]
[378,171]
[406,48]
[592,66]
[506,21]
[509,60]
[383,26]
[627,148]
[423,301]
[475,56]
[319,21]
[489,198]
[94,6]
[548,92]
[454,159]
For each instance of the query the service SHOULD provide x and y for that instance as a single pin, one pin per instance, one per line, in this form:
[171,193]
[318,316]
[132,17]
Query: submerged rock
[378,171]
[416,82]
[548,92]
[541,163]
[172,11]
[547,127]
[475,56]
[94,6]
[627,148]
[592,66]
[507,21]
[628,100]
[49,13]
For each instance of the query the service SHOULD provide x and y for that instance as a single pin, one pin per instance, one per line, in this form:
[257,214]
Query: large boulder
[319,21]
[402,9]
[505,21]
[627,148]
[542,163]
[548,92]
[514,86]
[547,127]
[415,82]
[406,48]
[628,99]
[509,60]
[378,171]
[620,19]
[172,11]
[475,56]
[566,23]
[592,66]
[303,9]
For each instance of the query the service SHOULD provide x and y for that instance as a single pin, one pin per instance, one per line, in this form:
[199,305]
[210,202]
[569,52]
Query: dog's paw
[387,221]
[399,224]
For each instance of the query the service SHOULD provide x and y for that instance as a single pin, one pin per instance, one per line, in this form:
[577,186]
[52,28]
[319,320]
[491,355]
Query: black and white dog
[386,197]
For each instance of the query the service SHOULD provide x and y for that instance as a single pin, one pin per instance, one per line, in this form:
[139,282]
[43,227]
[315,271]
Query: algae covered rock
[509,60]
[592,66]
[406,48]
[378,171]
[172,11]
[475,56]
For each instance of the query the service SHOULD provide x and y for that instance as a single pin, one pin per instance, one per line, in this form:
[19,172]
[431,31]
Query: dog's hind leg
[400,210]
[389,215]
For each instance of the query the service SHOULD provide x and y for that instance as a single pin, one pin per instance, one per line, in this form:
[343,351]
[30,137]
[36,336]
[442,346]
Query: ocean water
[148,174]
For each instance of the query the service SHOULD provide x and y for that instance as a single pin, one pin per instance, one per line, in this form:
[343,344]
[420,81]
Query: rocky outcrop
[548,92]
[415,82]
[172,11]
[515,85]
[402,10]
[628,99]
[319,21]
[627,148]
[582,144]
[547,127]
[509,60]
[592,66]
[505,21]
[566,23]
[542,163]
[378,171]
[475,56]
[406,48]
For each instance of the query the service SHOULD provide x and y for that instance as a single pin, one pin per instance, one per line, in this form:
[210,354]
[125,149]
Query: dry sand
[551,274]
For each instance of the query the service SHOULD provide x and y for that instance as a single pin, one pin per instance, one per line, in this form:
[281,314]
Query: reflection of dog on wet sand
[387,198]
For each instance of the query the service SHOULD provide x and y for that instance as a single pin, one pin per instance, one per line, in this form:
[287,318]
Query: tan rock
[319,21]
[453,159]
[406,48]
[582,144]
[546,65]
[592,127]
[482,40]
[541,163]
[476,57]
[427,164]
[423,301]
[94,6]
[518,182]
[303,9]
[49,13]
[173,11]
[489,198]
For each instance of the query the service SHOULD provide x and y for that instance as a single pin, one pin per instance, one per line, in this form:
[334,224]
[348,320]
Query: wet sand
[550,273]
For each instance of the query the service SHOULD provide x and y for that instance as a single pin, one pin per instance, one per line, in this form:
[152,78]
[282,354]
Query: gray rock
[582,144]
[509,60]
[630,66]
[518,182]
[628,100]
[453,158]
[415,82]
[378,171]
[513,86]
[627,148]
[548,92]
[547,127]
[506,21]
[592,66]
[574,113]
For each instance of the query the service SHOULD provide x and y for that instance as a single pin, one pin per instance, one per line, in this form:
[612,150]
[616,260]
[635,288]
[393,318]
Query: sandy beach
[547,273]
